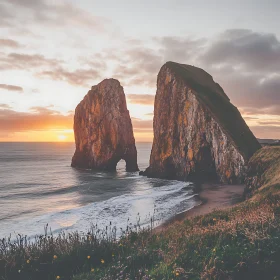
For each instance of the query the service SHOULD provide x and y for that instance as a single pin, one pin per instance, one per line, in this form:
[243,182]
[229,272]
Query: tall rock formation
[198,133]
[103,129]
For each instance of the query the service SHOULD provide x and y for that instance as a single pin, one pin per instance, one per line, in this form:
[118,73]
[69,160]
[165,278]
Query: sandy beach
[211,196]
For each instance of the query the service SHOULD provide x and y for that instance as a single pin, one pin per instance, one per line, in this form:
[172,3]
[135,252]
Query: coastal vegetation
[242,242]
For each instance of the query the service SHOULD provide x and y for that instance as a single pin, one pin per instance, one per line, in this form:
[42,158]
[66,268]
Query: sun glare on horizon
[62,137]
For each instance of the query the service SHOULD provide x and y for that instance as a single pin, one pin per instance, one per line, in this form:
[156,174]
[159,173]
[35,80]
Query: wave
[160,203]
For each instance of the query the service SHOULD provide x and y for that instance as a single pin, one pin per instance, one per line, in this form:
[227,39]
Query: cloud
[96,62]
[142,99]
[44,110]
[253,93]
[149,114]
[270,122]
[5,106]
[137,65]
[183,50]
[11,87]
[5,15]
[250,118]
[251,51]
[79,77]
[52,68]
[266,131]
[39,118]
[9,43]
[140,125]
[14,61]
[54,14]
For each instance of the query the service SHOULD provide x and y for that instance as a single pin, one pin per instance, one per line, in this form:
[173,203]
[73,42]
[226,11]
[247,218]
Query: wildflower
[177,273]
[102,261]
[120,244]
[92,270]
[113,255]
[214,250]
[88,257]
[28,261]
[19,271]
[214,219]
[57,277]
[55,257]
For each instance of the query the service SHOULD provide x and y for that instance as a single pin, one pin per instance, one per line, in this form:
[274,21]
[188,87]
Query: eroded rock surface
[103,129]
[198,133]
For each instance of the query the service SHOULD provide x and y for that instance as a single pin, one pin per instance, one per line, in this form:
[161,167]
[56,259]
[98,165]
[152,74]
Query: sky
[53,51]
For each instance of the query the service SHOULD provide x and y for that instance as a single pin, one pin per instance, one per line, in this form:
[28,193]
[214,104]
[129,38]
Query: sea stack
[198,133]
[103,129]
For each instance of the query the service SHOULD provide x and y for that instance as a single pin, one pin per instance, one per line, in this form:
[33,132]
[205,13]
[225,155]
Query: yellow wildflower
[57,277]
[88,257]
[214,250]
[28,261]
[102,261]
[55,257]
[214,219]
[177,274]
[113,255]
[92,270]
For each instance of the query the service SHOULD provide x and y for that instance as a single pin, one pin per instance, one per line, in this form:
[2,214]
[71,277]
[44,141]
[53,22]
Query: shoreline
[212,196]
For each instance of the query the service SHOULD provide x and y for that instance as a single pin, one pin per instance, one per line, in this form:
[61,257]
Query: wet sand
[210,197]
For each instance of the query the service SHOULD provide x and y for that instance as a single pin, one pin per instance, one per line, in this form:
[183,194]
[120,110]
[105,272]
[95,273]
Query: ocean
[39,187]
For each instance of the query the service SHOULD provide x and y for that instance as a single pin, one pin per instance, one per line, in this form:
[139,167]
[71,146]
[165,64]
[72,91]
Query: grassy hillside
[216,101]
[238,243]
[264,172]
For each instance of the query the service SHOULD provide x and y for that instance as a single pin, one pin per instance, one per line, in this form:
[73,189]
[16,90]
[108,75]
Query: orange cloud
[11,87]
[142,99]
[79,77]
[9,43]
[39,118]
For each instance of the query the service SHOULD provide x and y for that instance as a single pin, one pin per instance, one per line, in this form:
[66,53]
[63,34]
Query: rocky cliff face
[198,133]
[103,129]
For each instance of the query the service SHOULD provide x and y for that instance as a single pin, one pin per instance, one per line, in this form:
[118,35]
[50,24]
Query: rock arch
[103,129]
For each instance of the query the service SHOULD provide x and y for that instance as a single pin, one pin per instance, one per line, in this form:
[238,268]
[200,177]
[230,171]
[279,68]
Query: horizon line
[73,142]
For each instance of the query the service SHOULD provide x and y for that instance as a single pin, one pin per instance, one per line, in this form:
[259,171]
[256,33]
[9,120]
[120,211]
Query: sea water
[39,187]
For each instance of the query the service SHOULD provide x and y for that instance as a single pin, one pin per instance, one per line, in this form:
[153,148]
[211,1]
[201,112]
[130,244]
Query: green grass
[212,96]
[239,243]
[242,243]
[49,257]
[263,176]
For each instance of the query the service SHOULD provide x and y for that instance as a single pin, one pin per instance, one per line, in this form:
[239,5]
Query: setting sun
[62,137]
